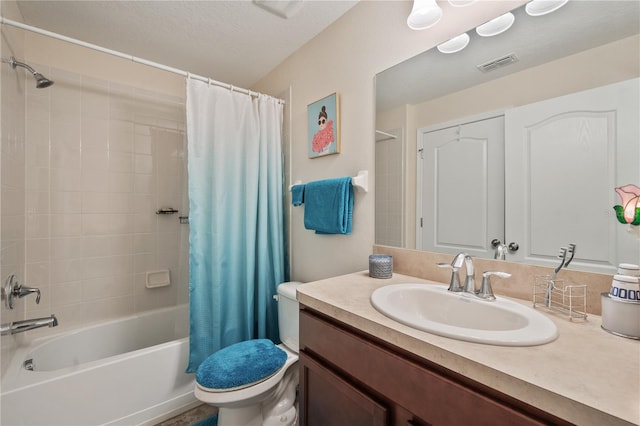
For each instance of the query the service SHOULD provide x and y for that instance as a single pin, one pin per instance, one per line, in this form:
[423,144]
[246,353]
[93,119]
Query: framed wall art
[323,123]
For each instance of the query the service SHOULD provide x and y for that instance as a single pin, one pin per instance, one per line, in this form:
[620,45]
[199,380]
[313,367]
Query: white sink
[463,316]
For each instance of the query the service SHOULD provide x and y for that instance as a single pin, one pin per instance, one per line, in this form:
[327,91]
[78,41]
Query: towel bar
[360,181]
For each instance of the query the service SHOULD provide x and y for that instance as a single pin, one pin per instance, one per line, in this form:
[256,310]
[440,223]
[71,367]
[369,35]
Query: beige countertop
[586,376]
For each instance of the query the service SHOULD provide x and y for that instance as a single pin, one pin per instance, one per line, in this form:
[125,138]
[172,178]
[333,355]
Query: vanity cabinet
[350,378]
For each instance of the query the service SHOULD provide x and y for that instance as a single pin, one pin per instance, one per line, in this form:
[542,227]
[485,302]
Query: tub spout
[15,327]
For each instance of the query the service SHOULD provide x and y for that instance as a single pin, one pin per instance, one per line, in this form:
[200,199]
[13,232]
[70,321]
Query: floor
[190,417]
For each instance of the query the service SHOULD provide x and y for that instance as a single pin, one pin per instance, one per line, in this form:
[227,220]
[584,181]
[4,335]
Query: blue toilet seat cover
[241,364]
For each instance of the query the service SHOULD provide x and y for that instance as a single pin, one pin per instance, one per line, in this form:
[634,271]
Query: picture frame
[323,124]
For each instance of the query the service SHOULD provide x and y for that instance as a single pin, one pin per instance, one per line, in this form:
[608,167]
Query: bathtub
[128,371]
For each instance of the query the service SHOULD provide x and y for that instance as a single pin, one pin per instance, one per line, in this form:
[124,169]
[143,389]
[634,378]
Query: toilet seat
[243,394]
[240,365]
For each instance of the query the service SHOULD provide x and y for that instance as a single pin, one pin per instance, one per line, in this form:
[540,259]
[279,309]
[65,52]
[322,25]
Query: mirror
[583,45]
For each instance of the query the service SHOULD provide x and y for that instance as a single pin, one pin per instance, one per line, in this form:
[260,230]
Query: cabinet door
[564,157]
[328,400]
[412,393]
[462,187]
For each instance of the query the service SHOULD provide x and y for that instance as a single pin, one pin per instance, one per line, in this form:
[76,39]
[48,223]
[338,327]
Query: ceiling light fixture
[461,3]
[424,14]
[454,45]
[543,7]
[496,26]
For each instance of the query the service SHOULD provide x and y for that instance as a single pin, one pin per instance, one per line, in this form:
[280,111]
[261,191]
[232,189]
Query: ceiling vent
[497,63]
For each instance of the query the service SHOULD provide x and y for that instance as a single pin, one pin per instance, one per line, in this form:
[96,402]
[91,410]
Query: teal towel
[329,206]
[297,195]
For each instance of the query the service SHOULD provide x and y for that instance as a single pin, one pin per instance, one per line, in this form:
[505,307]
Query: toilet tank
[288,315]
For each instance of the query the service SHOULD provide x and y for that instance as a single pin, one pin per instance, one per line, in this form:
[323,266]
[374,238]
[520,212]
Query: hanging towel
[329,206]
[297,195]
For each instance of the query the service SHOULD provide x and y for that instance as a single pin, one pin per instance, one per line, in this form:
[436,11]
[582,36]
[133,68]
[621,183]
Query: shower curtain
[236,239]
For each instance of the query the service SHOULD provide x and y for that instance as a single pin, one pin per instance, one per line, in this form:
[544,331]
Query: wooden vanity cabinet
[350,378]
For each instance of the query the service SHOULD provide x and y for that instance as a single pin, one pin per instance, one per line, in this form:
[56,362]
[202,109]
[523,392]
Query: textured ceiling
[236,42]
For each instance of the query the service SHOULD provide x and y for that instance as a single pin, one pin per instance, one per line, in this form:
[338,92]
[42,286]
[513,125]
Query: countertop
[586,376]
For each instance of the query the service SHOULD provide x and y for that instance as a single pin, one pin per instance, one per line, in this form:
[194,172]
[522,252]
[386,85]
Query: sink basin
[463,316]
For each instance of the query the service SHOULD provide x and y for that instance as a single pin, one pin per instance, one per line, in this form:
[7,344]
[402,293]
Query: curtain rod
[132,58]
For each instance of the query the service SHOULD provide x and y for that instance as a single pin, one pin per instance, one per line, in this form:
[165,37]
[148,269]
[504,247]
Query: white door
[462,195]
[564,157]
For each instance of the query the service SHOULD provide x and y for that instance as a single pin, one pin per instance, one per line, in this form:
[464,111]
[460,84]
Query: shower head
[41,81]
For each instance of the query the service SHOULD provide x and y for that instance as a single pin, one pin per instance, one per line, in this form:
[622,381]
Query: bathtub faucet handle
[21,291]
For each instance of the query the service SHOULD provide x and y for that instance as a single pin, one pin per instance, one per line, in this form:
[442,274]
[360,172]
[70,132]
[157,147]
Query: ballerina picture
[324,136]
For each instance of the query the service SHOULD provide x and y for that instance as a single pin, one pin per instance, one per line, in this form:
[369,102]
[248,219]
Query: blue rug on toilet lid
[241,364]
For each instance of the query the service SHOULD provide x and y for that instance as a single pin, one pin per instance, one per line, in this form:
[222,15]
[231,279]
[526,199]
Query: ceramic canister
[620,317]
[625,287]
[380,266]
[629,269]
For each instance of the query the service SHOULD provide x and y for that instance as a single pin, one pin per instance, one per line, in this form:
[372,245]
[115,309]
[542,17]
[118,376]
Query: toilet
[254,382]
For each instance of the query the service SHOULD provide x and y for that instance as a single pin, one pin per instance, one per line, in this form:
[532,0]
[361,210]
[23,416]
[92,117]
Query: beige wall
[345,58]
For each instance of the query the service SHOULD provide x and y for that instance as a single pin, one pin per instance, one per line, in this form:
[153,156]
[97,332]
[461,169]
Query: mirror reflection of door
[565,156]
[461,186]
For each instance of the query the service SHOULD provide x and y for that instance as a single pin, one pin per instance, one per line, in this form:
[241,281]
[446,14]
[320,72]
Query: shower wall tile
[63,179]
[13,229]
[37,250]
[142,141]
[66,293]
[37,226]
[119,182]
[66,225]
[13,201]
[95,134]
[94,158]
[66,202]
[39,274]
[64,270]
[101,158]
[66,248]
[144,184]
[36,178]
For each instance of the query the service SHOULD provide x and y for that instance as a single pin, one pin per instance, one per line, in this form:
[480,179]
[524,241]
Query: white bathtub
[128,371]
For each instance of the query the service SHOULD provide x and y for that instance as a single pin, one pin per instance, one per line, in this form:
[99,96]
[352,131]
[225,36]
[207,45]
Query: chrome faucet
[456,264]
[15,327]
[486,292]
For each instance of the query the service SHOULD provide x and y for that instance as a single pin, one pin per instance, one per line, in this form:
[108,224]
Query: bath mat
[209,421]
[241,364]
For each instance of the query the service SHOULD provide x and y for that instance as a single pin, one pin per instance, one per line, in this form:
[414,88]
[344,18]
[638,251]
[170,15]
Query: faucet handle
[21,291]
[454,285]
[486,292]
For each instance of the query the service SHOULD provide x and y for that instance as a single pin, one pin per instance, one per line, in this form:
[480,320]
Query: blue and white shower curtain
[236,253]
